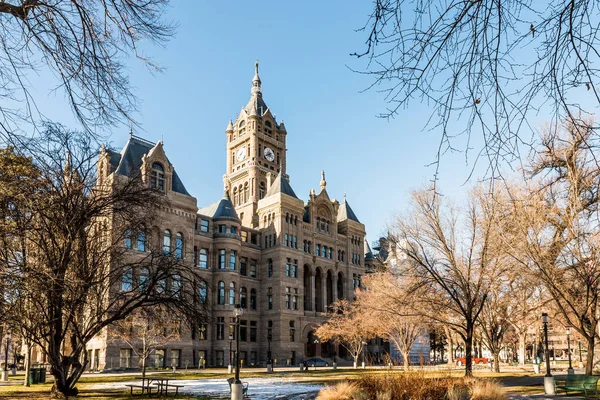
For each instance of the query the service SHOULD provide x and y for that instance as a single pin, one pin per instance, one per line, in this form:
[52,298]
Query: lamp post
[5,371]
[548,378]
[230,366]
[580,357]
[570,371]
[269,361]
[237,390]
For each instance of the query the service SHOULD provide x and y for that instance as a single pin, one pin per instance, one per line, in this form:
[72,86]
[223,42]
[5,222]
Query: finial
[130,129]
[344,197]
[323,181]
[256,67]
[256,90]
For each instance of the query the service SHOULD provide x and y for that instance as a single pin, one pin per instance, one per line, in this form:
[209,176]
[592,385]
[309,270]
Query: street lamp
[237,390]
[568,332]
[5,371]
[269,360]
[548,378]
[230,366]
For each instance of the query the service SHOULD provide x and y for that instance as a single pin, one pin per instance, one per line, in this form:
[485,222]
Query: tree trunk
[589,365]
[450,345]
[144,367]
[496,361]
[522,348]
[27,362]
[406,356]
[469,350]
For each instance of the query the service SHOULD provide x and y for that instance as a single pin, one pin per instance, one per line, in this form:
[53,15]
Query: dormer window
[157,177]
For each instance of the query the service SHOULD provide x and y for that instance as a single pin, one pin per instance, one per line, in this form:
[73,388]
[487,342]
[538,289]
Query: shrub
[341,391]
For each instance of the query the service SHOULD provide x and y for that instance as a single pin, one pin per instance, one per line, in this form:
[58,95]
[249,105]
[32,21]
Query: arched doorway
[318,290]
[340,286]
[308,295]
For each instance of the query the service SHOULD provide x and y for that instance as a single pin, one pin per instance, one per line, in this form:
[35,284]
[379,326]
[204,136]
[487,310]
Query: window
[253,331]
[232,294]
[203,225]
[243,297]
[232,259]
[175,358]
[161,286]
[292,331]
[141,241]
[179,245]
[287,242]
[127,279]
[157,177]
[270,301]
[270,268]
[221,258]
[231,329]
[244,330]
[243,263]
[159,358]
[261,190]
[125,358]
[221,293]
[318,249]
[252,268]
[295,300]
[176,285]
[244,234]
[167,242]
[295,245]
[222,228]
[233,229]
[288,298]
[202,292]
[295,269]
[324,251]
[143,281]
[203,258]
[253,299]
[220,328]
[219,356]
[330,253]
[127,239]
[287,268]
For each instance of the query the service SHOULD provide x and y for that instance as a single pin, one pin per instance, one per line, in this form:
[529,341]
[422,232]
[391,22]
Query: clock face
[269,155]
[241,153]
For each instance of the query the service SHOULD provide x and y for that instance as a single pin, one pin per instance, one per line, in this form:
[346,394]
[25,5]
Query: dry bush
[413,386]
[341,391]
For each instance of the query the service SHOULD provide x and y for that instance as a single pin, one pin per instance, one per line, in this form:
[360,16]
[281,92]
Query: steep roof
[345,212]
[221,209]
[368,252]
[129,161]
[281,185]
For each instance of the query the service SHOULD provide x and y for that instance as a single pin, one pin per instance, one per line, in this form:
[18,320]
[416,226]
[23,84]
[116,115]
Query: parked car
[475,360]
[316,362]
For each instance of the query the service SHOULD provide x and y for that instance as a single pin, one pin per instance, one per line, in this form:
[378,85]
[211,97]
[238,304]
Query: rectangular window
[221,258]
[295,269]
[324,251]
[244,330]
[231,329]
[159,358]
[127,240]
[252,358]
[295,303]
[204,225]
[232,259]
[318,249]
[266,241]
[270,299]
[330,253]
[141,241]
[288,298]
[233,229]
[244,236]
[287,268]
[222,228]
[219,355]
[253,269]
[270,268]
[243,263]
[220,328]
[295,242]
[253,331]
[175,358]
[287,242]
[125,358]
[292,331]
[203,258]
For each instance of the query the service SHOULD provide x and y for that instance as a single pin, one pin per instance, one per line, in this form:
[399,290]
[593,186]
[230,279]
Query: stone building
[282,259]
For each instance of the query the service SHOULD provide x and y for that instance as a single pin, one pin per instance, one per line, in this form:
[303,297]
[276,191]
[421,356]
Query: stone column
[311,298]
[334,287]
[324,291]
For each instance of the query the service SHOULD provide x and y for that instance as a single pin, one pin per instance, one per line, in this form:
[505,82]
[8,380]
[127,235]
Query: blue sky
[303,49]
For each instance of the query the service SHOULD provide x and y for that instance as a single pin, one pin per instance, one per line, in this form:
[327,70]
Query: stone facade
[260,246]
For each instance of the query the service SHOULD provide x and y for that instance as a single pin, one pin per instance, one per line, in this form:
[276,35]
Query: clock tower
[255,154]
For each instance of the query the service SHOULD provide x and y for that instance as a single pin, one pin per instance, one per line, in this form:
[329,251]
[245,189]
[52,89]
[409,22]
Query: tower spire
[256,89]
[323,181]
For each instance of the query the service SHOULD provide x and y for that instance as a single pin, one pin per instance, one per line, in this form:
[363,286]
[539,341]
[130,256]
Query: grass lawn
[515,382]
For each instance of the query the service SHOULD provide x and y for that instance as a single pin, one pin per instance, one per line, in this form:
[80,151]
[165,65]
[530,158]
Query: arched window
[143,281]
[287,218]
[141,241]
[253,299]
[157,177]
[179,246]
[243,297]
[221,293]
[127,239]
[176,285]
[235,197]
[261,190]
[167,242]
[127,279]
[202,292]
[232,294]
[246,192]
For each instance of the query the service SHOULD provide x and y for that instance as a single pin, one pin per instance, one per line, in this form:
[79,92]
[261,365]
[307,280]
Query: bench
[578,383]
[244,386]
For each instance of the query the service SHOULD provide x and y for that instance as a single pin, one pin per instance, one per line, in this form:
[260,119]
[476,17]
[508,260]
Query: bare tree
[84,44]
[347,326]
[554,226]
[485,67]
[453,265]
[392,314]
[77,277]
[145,331]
